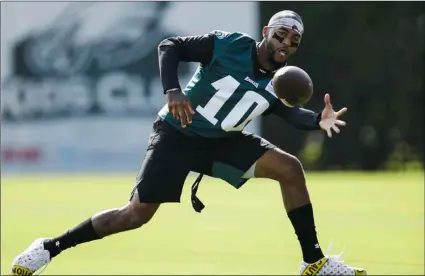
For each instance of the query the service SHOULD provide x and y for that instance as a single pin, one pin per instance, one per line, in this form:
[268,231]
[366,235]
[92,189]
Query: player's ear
[265,32]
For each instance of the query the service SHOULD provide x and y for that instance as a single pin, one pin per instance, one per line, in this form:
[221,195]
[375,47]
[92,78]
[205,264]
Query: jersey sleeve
[173,50]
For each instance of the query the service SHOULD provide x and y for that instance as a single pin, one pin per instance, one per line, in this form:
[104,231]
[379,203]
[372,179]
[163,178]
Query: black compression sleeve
[189,49]
[297,117]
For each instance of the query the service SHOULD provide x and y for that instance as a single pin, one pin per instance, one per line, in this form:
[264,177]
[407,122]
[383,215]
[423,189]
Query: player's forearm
[173,50]
[168,58]
[303,119]
[298,117]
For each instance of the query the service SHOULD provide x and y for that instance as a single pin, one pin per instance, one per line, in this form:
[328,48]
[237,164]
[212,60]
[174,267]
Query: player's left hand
[329,120]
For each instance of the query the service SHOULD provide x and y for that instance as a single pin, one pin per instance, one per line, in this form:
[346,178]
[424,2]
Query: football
[293,86]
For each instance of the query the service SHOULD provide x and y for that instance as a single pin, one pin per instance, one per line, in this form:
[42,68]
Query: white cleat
[330,265]
[32,259]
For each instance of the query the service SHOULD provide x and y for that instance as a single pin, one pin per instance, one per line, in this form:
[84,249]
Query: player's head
[283,35]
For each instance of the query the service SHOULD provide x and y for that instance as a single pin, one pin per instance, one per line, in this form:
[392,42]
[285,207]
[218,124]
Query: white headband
[287,19]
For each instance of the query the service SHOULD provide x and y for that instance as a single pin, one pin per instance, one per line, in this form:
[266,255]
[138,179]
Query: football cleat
[330,265]
[32,259]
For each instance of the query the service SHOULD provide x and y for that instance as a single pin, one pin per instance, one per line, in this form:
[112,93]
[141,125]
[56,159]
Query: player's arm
[327,120]
[297,117]
[171,52]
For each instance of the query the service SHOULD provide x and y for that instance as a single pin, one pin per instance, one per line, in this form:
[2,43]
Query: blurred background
[80,89]
[80,81]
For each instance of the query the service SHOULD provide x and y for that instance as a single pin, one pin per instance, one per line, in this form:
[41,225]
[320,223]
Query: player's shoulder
[230,45]
[231,37]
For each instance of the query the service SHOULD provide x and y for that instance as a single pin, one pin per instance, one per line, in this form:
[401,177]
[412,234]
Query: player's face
[281,43]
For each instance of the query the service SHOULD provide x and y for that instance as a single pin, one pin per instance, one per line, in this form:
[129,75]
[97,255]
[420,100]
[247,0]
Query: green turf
[379,218]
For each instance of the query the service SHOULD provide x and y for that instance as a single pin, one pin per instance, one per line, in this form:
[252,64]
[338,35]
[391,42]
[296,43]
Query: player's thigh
[165,167]
[236,157]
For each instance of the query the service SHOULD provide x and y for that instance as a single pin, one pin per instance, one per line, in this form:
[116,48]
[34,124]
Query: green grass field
[378,218]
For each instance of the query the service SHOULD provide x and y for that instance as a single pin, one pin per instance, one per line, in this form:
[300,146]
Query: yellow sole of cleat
[312,269]
[19,270]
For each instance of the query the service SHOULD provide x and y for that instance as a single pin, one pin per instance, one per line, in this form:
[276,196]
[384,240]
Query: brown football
[293,85]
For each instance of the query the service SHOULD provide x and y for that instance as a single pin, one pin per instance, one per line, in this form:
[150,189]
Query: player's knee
[281,166]
[142,213]
[138,214]
[294,168]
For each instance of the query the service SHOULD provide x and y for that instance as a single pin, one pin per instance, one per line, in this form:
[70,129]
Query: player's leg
[130,216]
[160,180]
[288,171]
[251,156]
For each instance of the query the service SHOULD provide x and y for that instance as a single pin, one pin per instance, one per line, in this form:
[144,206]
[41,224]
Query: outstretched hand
[329,119]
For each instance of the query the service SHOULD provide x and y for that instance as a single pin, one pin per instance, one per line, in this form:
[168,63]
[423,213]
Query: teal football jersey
[225,95]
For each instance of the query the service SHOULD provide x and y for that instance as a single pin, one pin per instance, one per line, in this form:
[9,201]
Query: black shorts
[171,155]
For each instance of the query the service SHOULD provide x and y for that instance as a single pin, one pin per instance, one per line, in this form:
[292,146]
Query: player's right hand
[179,106]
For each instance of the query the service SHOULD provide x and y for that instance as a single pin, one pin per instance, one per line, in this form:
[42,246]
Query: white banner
[80,80]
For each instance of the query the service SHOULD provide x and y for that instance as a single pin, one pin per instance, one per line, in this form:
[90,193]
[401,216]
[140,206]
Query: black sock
[82,233]
[303,221]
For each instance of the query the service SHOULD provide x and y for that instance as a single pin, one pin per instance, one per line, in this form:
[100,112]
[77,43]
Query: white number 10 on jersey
[225,88]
